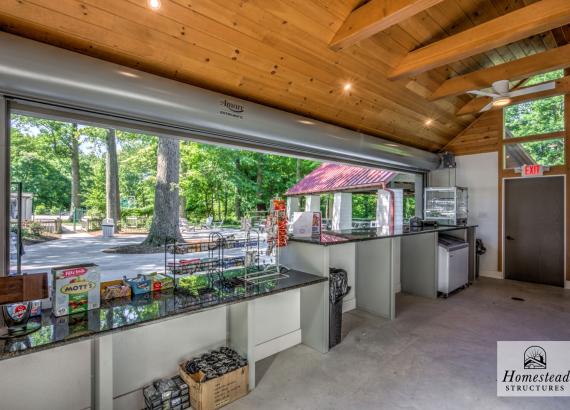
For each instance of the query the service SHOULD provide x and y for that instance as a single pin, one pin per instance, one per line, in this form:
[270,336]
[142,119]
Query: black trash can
[479,250]
[338,289]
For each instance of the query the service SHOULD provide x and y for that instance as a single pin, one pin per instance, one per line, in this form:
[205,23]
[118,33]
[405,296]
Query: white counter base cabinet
[109,372]
[55,379]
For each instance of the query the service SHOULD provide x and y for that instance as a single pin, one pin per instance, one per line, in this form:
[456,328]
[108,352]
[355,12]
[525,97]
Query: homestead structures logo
[523,370]
[535,358]
[231,109]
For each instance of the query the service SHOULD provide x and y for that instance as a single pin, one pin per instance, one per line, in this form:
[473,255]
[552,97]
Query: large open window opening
[77,178]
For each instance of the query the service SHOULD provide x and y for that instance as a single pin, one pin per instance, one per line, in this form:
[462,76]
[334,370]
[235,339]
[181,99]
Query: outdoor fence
[90,223]
[47,225]
[134,224]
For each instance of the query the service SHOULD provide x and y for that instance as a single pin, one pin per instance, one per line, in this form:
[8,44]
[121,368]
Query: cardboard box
[75,289]
[114,289]
[215,393]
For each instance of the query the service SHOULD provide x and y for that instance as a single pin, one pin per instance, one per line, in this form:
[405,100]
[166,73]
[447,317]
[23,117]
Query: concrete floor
[437,354]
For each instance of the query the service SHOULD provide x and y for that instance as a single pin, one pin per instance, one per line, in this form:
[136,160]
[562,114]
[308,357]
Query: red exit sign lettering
[532,170]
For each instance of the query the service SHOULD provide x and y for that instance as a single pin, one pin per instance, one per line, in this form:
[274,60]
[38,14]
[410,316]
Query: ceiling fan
[502,95]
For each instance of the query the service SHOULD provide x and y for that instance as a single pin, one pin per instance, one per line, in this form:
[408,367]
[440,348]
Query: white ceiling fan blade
[534,89]
[487,107]
[483,93]
[501,87]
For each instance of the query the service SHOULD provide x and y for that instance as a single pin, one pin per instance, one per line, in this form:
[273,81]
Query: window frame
[535,137]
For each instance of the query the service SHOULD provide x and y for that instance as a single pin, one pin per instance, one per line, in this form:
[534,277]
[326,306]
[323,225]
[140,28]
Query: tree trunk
[75,178]
[259,181]
[219,205]
[113,200]
[237,194]
[225,204]
[165,225]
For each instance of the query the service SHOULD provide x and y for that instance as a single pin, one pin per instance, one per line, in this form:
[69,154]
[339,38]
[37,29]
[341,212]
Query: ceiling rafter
[530,20]
[515,70]
[376,16]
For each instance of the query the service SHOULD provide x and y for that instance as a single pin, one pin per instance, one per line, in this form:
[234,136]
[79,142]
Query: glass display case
[446,205]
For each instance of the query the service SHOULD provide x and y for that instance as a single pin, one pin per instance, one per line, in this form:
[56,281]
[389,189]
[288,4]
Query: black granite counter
[328,238]
[127,313]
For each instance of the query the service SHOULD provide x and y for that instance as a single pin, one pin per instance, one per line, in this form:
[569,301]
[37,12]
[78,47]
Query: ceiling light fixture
[306,122]
[347,87]
[501,102]
[154,4]
[429,122]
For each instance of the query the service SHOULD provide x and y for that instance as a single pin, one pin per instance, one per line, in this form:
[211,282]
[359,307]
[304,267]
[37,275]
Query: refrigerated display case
[446,205]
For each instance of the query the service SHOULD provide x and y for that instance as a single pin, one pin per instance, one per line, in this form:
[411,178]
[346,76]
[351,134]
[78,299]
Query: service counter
[380,262]
[101,359]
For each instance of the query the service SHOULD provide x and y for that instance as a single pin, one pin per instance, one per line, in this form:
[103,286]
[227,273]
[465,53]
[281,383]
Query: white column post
[313,203]
[102,372]
[384,205]
[342,211]
[292,206]
[419,194]
[383,208]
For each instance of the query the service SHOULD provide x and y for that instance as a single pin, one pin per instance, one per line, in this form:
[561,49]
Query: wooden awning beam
[375,16]
[550,60]
[536,18]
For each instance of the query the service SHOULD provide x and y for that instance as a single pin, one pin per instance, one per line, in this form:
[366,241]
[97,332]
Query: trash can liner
[338,289]
[338,284]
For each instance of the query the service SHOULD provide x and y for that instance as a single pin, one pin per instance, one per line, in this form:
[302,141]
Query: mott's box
[75,289]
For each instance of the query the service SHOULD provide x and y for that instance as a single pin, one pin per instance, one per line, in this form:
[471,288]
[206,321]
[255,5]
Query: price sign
[532,170]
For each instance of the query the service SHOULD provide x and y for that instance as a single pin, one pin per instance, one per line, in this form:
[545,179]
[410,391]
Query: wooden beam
[522,23]
[476,104]
[550,60]
[376,16]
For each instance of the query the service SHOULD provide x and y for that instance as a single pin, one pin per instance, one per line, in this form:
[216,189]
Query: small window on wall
[535,117]
[544,152]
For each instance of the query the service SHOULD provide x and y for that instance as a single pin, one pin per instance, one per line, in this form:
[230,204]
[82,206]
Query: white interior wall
[479,173]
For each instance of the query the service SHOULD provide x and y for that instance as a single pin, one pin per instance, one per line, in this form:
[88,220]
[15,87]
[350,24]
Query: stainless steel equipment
[453,264]
[446,205]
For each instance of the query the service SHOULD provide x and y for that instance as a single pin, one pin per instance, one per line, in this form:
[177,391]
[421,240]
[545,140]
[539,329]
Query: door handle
[510,238]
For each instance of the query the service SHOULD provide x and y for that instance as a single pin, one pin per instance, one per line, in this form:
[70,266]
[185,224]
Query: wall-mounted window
[535,117]
[534,130]
[544,152]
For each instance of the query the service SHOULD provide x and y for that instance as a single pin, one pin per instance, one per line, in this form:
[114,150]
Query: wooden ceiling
[278,53]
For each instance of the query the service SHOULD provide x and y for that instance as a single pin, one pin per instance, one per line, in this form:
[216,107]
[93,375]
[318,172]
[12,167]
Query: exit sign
[532,170]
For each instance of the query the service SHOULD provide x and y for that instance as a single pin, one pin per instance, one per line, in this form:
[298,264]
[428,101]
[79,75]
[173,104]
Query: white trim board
[491,274]
[277,345]
[348,305]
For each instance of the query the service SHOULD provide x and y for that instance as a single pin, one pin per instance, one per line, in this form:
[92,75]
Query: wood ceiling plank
[516,70]
[535,18]
[374,17]
[475,105]
[176,41]
[453,20]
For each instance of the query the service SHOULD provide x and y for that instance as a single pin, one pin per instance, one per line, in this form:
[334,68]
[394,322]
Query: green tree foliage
[214,180]
[535,118]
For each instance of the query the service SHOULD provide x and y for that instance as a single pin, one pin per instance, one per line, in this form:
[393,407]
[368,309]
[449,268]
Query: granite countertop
[126,313]
[328,238]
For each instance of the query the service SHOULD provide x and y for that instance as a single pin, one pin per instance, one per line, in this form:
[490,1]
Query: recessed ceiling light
[154,4]
[501,102]
[347,87]
[429,122]
[306,122]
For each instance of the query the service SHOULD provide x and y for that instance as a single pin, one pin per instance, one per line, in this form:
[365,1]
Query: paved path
[77,248]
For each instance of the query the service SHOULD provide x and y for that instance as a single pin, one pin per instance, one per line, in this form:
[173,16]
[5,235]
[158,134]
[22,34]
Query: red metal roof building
[334,178]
